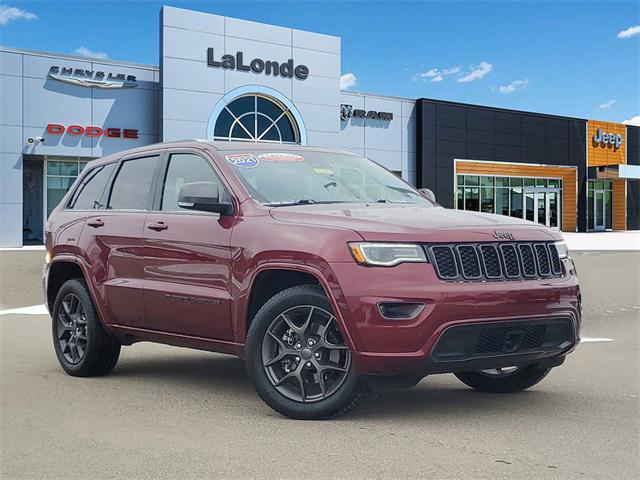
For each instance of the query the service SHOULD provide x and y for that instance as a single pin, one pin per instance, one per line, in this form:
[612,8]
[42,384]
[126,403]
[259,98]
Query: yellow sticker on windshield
[323,171]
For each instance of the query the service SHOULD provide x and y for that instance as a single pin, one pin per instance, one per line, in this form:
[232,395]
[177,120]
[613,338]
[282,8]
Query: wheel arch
[68,267]
[285,276]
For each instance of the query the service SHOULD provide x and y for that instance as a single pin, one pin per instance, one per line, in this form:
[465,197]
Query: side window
[89,193]
[186,168]
[132,185]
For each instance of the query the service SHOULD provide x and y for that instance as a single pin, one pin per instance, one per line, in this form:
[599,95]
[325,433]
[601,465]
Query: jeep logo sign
[603,138]
[503,235]
[258,65]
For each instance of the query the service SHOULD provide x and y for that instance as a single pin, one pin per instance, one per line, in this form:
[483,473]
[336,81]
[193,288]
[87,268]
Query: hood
[394,222]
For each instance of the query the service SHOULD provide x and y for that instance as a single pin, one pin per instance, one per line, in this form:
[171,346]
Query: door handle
[95,223]
[157,226]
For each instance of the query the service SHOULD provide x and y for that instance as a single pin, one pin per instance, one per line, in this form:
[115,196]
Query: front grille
[478,340]
[495,261]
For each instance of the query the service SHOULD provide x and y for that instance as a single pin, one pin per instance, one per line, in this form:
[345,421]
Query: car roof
[221,146]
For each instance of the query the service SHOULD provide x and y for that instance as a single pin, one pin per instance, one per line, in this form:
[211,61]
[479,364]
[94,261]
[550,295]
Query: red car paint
[186,280]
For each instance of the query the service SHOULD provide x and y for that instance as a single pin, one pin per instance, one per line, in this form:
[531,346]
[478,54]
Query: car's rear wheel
[297,359]
[82,346]
[505,379]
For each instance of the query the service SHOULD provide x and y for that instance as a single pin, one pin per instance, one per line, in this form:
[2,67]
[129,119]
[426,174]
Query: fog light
[400,310]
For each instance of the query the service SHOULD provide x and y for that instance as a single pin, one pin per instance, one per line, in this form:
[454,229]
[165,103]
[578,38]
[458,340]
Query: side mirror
[203,196]
[428,194]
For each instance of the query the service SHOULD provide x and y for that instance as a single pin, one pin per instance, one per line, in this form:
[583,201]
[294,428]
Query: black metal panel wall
[633,186]
[449,131]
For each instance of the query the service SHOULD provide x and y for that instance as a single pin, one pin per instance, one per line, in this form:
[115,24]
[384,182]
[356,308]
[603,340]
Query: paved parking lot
[173,413]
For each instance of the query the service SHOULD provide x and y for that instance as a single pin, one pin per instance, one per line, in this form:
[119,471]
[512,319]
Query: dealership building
[228,79]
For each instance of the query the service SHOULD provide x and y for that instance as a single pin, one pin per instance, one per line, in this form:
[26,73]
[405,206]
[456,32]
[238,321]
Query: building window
[61,173]
[533,199]
[256,118]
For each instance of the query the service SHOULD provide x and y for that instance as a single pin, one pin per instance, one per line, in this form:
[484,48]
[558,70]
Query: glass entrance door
[542,205]
[599,210]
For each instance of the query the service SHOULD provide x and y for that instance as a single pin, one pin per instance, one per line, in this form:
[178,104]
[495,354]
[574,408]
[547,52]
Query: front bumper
[405,348]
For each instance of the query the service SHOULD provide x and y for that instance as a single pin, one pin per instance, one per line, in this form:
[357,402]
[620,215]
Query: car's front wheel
[504,380]
[297,359]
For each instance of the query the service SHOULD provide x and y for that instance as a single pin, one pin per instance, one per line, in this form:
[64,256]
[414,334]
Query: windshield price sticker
[281,157]
[243,160]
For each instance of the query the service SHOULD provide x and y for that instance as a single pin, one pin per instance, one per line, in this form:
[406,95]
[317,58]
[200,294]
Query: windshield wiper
[304,201]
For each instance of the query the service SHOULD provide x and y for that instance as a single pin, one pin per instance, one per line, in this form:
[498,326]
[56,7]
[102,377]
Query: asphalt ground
[168,412]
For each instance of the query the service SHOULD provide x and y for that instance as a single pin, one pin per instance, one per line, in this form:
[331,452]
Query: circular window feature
[256,118]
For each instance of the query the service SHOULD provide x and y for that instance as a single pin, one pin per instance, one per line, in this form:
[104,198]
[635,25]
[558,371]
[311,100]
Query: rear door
[112,239]
[187,255]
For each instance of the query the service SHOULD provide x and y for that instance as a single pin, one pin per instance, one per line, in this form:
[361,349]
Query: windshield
[304,177]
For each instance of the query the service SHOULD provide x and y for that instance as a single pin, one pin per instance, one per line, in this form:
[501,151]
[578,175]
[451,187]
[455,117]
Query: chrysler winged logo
[90,78]
[503,235]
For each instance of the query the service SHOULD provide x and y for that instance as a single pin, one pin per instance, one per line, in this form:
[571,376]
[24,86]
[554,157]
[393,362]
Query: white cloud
[606,105]
[85,52]
[635,120]
[629,32]
[348,80]
[8,13]
[514,86]
[475,72]
[435,75]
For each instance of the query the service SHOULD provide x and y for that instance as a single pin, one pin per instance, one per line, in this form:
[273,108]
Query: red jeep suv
[325,272]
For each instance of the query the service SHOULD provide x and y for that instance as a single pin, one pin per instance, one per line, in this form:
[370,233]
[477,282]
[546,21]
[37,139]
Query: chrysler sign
[257,65]
[92,78]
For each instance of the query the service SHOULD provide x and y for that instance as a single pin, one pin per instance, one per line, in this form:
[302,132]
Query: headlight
[563,251]
[387,254]
[47,258]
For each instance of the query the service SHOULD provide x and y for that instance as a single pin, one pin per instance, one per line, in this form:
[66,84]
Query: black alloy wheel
[297,358]
[72,329]
[304,355]
[83,347]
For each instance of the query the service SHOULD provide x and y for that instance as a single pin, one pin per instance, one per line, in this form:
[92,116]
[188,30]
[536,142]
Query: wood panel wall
[598,154]
[619,205]
[569,176]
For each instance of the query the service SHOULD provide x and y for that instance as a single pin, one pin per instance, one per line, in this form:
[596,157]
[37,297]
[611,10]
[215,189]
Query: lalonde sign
[258,65]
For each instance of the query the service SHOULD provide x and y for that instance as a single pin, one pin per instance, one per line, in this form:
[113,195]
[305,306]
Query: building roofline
[508,110]
[66,56]
[381,95]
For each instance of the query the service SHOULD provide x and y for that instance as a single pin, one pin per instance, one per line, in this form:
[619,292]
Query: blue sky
[568,58]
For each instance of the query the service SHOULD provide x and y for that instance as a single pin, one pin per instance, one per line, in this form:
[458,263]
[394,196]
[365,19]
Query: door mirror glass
[428,194]
[203,196]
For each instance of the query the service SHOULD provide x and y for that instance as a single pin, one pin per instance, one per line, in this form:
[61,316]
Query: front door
[599,210]
[187,257]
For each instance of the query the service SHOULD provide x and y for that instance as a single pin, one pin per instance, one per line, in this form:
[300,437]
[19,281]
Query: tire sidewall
[296,296]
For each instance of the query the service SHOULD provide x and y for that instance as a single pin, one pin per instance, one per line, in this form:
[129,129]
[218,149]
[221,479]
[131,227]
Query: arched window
[256,118]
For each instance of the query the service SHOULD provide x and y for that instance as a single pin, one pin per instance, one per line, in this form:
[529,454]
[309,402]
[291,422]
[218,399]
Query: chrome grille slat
[495,261]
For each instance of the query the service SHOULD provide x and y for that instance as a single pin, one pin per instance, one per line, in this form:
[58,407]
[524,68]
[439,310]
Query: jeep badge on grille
[503,235]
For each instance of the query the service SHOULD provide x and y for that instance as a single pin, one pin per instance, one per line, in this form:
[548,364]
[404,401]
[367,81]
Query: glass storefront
[61,173]
[534,199]
[599,205]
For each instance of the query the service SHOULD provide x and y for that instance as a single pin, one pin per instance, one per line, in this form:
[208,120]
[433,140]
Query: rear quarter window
[88,195]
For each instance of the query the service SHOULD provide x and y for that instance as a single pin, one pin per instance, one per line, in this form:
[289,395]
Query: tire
[97,352]
[521,379]
[320,387]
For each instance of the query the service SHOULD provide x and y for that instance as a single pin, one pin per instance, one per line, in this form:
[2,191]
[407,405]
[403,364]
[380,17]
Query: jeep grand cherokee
[324,271]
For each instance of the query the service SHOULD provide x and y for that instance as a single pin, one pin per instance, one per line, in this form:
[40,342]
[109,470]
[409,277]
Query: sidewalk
[629,240]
